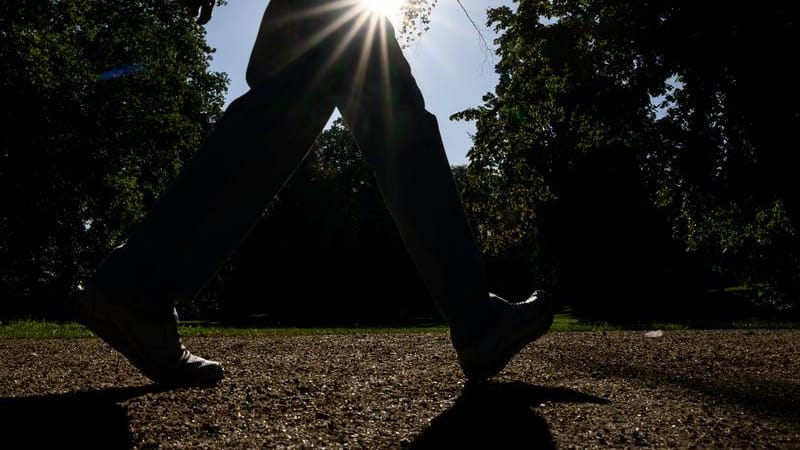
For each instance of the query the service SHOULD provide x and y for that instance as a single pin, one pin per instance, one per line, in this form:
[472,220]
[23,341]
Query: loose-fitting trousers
[310,56]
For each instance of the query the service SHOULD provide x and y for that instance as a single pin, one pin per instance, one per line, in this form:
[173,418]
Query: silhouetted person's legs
[401,142]
[364,68]
[202,217]
[309,56]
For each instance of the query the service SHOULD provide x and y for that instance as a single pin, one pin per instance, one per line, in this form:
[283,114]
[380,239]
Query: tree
[634,148]
[103,103]
[327,250]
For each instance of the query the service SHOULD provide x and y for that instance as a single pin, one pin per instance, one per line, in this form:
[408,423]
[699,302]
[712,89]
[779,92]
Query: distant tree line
[635,159]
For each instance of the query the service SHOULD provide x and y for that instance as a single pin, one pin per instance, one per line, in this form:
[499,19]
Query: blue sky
[452,68]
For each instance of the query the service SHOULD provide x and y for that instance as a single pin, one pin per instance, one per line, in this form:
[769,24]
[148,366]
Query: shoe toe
[198,372]
[515,326]
[192,370]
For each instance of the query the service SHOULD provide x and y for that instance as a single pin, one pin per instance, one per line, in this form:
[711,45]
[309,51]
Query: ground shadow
[498,415]
[85,420]
[779,399]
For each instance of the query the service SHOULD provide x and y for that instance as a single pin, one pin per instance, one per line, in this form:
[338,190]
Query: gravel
[683,389]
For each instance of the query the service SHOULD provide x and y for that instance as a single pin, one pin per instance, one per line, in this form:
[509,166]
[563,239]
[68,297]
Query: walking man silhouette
[310,56]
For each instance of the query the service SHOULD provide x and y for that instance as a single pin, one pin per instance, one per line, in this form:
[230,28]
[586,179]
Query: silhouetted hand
[202,8]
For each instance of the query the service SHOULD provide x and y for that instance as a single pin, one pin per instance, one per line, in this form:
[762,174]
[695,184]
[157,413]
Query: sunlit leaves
[415,19]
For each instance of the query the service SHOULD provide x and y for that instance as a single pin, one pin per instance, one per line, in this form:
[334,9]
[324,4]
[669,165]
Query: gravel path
[687,389]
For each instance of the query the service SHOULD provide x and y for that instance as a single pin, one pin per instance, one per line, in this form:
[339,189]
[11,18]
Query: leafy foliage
[632,135]
[104,102]
[415,19]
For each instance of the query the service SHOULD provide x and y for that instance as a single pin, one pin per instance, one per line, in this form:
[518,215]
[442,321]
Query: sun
[389,8]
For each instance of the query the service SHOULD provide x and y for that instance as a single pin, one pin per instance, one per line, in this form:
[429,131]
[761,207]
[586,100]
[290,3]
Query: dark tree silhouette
[638,150]
[103,102]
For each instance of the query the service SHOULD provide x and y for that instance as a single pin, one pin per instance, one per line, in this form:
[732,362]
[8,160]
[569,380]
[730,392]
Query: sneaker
[148,337]
[514,326]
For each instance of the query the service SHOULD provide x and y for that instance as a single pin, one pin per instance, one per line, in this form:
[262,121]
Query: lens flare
[118,72]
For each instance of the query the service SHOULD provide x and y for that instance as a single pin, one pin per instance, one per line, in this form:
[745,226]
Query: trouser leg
[255,146]
[401,142]
[263,136]
[219,196]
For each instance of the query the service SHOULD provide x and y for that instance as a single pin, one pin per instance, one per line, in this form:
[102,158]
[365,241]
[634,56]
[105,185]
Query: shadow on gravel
[498,415]
[85,420]
[774,398]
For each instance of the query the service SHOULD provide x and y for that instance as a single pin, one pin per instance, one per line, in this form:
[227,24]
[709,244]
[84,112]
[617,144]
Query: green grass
[33,329]
[568,322]
[221,330]
[22,329]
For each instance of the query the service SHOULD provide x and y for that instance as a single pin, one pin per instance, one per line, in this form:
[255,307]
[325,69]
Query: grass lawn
[33,329]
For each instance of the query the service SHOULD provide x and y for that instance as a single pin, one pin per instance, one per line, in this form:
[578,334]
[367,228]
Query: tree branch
[483,41]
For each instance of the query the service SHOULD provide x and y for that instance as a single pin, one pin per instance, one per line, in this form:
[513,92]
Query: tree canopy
[631,141]
[103,103]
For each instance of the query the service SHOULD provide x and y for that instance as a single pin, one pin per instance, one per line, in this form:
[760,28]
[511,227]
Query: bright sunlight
[389,8]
